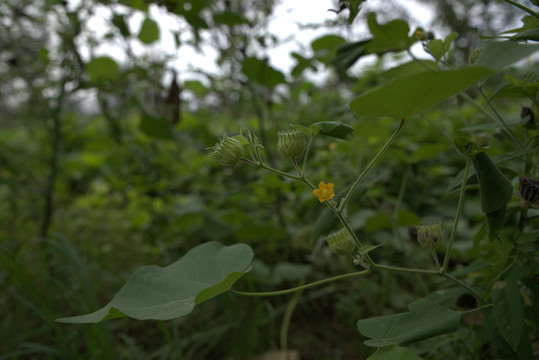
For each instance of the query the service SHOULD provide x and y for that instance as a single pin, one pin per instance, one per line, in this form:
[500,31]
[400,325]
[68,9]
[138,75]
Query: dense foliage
[105,167]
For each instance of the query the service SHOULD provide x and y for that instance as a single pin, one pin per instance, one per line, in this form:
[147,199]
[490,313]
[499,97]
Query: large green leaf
[426,319]
[495,189]
[499,54]
[164,293]
[411,94]
[508,311]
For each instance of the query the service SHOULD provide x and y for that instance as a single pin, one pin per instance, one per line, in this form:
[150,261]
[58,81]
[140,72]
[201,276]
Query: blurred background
[107,109]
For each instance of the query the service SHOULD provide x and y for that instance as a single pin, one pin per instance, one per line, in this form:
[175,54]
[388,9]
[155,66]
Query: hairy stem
[370,165]
[457,217]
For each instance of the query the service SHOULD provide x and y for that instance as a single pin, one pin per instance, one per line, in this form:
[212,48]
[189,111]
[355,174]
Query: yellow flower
[325,192]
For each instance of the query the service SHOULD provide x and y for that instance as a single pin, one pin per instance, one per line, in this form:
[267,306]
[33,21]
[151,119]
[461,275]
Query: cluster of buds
[341,243]
[429,235]
[230,150]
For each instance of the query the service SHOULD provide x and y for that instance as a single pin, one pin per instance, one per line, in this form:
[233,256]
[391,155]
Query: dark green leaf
[495,222]
[121,25]
[393,353]
[495,189]
[149,32]
[229,18]
[260,72]
[392,36]
[411,94]
[347,54]
[425,320]
[499,54]
[353,6]
[336,129]
[368,248]
[157,127]
[325,47]
[509,312]
[164,293]
[102,69]
[302,64]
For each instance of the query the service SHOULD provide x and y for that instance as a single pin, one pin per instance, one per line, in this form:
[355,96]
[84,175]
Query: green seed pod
[228,151]
[291,143]
[341,243]
[430,235]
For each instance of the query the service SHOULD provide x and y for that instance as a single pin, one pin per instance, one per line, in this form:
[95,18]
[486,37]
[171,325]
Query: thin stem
[457,217]
[295,162]
[302,287]
[501,120]
[373,161]
[304,167]
[522,7]
[286,319]
[279,172]
[405,270]
[464,285]
[435,258]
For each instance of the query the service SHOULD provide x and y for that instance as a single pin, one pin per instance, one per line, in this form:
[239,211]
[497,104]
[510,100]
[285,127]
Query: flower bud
[228,151]
[291,143]
[528,189]
[430,235]
[341,243]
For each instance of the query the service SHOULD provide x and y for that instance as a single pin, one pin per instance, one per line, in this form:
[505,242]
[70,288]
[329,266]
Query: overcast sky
[286,20]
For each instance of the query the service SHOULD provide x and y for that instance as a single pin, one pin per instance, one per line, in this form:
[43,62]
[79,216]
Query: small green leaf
[229,18]
[494,188]
[392,36]
[261,72]
[499,54]
[508,311]
[121,25]
[164,293]
[326,46]
[368,248]
[102,69]
[466,146]
[336,129]
[410,94]
[149,32]
[426,319]
[393,353]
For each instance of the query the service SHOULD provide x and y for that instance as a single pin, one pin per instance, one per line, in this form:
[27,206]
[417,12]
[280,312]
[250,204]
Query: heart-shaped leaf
[426,319]
[413,93]
[164,293]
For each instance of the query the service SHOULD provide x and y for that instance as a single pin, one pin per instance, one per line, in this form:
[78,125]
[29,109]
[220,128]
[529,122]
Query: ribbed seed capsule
[429,235]
[291,143]
[228,151]
[528,189]
[341,243]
